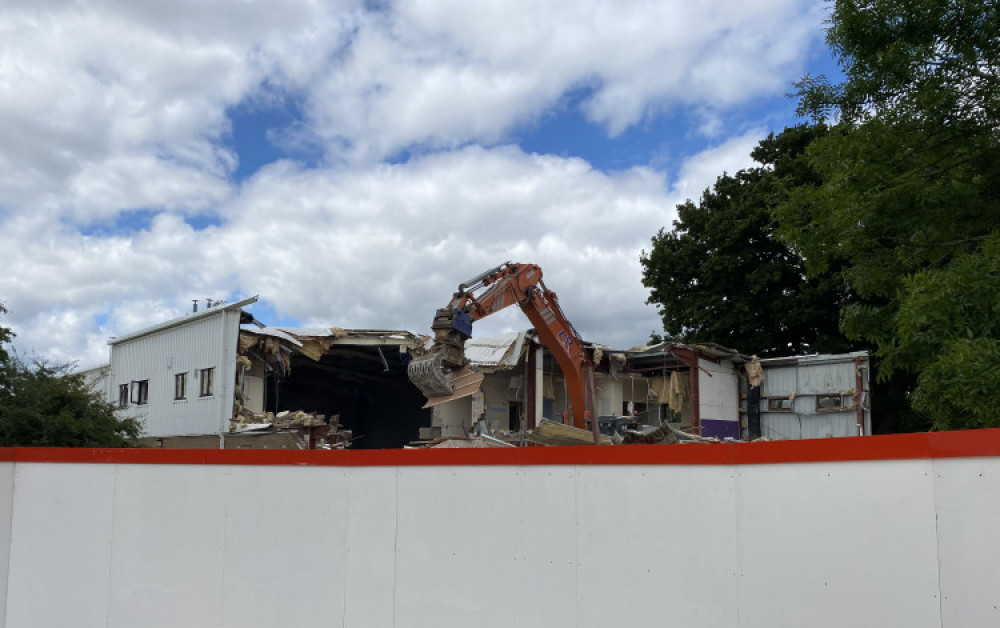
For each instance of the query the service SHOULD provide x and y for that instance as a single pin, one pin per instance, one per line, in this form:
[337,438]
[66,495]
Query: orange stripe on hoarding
[962,444]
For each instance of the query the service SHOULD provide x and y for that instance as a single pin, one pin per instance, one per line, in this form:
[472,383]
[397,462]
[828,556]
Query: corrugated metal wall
[812,376]
[204,343]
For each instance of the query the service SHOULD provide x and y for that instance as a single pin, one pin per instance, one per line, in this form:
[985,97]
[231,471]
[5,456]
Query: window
[140,392]
[832,403]
[779,404]
[180,386]
[123,395]
[207,377]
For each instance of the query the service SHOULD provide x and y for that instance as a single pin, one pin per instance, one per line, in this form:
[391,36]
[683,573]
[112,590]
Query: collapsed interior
[365,384]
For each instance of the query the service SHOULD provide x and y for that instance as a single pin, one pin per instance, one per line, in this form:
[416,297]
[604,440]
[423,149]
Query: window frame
[139,392]
[180,386]
[772,408]
[123,395]
[206,382]
[844,402]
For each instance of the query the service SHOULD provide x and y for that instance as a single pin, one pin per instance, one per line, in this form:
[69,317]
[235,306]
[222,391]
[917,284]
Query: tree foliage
[46,406]
[722,275]
[910,205]
[5,336]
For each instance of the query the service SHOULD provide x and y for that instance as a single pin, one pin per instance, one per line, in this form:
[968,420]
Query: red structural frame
[964,444]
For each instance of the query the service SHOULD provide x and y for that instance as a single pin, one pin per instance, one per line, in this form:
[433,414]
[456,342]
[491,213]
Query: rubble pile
[315,430]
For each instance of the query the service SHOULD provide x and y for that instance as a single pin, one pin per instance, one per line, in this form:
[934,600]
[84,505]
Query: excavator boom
[435,372]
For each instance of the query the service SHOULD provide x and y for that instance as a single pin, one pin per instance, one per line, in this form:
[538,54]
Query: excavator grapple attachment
[428,374]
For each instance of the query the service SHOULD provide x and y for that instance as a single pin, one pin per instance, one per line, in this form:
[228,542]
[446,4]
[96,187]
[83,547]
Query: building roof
[337,335]
[662,353]
[815,358]
[184,320]
[500,352]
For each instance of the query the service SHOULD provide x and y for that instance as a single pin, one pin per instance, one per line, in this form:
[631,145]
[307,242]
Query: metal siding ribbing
[823,379]
[780,426]
[778,381]
[161,355]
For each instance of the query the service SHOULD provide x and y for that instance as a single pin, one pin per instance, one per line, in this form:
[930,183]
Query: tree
[910,206]
[722,275]
[43,405]
[6,335]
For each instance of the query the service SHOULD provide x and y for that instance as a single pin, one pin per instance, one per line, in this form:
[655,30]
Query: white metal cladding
[779,381]
[807,377]
[204,342]
[718,390]
[793,426]
[867,544]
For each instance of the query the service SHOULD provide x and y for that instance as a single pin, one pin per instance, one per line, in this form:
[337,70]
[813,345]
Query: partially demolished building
[220,378]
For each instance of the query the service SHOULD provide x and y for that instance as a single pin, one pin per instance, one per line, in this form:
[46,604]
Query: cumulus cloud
[374,247]
[111,107]
[438,74]
[131,97]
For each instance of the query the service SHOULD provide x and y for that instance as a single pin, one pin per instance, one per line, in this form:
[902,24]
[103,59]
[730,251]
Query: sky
[351,162]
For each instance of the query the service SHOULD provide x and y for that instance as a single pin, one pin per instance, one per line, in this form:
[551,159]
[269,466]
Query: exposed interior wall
[839,543]
[608,394]
[454,418]
[718,397]
[254,381]
[496,402]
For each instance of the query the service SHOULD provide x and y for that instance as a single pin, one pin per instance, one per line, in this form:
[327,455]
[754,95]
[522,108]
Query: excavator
[436,372]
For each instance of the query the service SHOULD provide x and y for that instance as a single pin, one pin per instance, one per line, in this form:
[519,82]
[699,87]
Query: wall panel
[876,531]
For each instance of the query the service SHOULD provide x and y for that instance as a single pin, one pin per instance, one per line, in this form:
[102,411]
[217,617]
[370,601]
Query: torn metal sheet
[496,353]
[465,382]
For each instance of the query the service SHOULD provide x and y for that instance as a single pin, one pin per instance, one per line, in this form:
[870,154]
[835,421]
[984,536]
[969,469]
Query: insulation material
[678,393]
[755,372]
[315,347]
[659,388]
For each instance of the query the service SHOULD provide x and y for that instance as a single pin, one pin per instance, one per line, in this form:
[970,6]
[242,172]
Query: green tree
[47,406]
[722,275]
[6,335]
[910,206]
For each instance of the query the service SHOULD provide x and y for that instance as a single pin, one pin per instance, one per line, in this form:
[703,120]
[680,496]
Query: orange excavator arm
[506,285]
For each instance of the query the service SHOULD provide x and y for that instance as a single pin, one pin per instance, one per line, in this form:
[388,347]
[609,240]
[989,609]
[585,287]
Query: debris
[663,435]
[462,383]
[556,434]
[480,442]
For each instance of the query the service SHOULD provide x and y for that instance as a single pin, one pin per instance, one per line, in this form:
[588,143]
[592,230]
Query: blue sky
[351,162]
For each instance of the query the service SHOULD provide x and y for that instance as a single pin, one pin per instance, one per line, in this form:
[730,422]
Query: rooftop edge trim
[183,320]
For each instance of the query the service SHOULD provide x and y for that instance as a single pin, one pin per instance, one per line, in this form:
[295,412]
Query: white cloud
[372,247]
[87,91]
[111,106]
[444,73]
[701,170]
